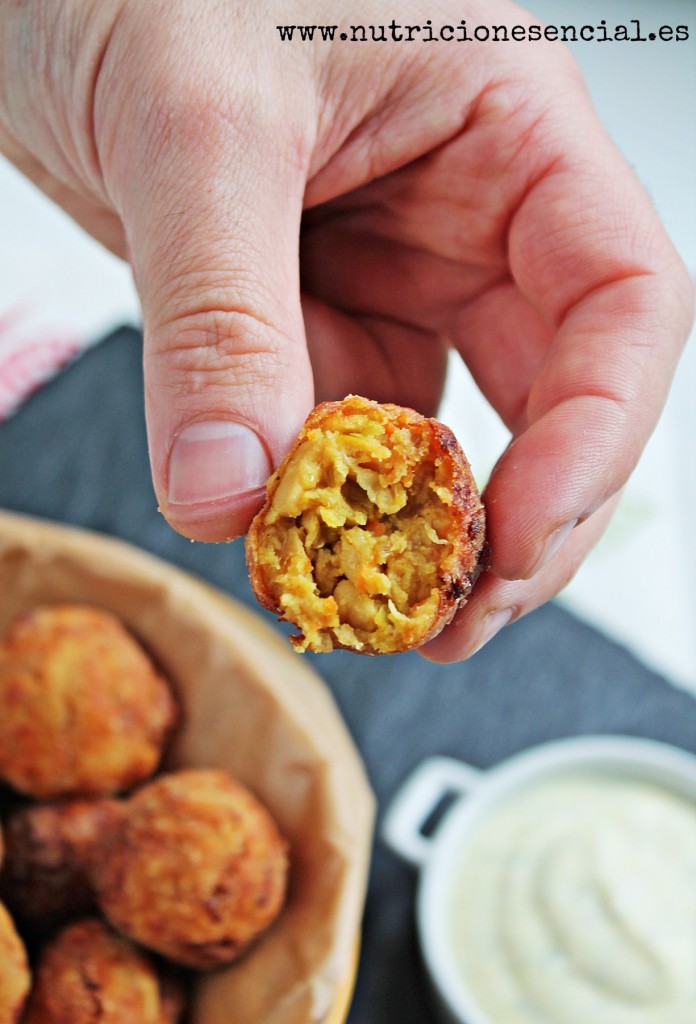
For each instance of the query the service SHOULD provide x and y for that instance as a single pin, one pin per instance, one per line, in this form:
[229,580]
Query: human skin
[442,196]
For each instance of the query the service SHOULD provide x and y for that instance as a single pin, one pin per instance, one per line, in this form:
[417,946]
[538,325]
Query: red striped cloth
[31,352]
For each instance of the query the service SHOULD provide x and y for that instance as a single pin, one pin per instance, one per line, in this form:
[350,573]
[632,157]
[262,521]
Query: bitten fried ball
[50,849]
[372,531]
[197,870]
[14,970]
[88,975]
[84,710]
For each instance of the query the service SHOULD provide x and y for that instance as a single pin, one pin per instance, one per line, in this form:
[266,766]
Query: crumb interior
[356,535]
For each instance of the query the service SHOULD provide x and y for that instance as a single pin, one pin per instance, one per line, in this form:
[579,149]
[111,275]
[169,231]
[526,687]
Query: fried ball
[84,710]
[14,970]
[88,975]
[50,849]
[372,531]
[197,869]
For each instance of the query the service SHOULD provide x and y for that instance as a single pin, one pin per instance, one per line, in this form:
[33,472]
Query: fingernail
[215,460]
[492,624]
[553,543]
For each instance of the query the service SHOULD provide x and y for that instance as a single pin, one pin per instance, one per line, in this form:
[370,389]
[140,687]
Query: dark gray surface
[76,453]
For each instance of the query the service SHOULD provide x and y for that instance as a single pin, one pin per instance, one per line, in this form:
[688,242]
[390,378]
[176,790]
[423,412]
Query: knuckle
[220,348]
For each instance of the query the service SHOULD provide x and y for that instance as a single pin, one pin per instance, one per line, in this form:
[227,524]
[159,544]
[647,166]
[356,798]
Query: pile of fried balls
[115,881]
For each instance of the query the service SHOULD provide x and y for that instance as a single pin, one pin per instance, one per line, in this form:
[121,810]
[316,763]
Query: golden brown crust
[197,870]
[372,530]
[50,850]
[14,970]
[84,710]
[88,975]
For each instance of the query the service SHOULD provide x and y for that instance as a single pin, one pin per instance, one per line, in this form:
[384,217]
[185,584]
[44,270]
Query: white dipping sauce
[575,903]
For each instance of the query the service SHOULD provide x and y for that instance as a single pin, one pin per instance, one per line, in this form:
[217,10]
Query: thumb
[227,377]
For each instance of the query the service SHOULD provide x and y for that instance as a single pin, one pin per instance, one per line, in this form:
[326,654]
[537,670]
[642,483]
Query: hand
[443,194]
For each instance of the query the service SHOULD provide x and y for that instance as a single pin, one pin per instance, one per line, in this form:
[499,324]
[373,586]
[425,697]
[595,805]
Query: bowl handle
[432,781]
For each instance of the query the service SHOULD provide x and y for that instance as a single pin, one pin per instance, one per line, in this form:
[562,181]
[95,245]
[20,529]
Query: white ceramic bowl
[478,794]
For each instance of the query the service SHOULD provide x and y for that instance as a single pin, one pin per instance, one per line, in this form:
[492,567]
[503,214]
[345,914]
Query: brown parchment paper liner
[250,706]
